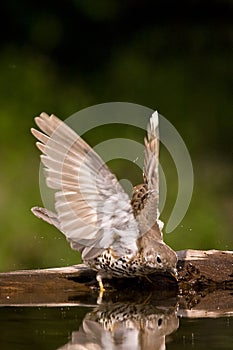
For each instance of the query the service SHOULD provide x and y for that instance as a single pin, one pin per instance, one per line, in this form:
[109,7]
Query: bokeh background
[62,56]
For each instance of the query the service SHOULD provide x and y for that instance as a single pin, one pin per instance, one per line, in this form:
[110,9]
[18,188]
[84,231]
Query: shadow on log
[205,285]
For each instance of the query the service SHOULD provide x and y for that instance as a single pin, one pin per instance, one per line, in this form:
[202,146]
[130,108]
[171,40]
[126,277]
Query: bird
[126,325]
[116,236]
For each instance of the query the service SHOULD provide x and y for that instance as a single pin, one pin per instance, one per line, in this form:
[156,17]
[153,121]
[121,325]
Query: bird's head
[161,257]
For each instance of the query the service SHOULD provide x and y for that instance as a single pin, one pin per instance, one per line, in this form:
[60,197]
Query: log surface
[205,283]
[206,268]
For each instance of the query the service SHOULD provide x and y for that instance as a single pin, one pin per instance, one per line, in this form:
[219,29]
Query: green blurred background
[62,56]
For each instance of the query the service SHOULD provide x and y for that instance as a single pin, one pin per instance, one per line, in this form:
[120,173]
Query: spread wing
[148,216]
[92,209]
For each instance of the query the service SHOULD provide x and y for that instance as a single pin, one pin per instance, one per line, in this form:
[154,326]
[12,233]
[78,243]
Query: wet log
[201,273]
[205,269]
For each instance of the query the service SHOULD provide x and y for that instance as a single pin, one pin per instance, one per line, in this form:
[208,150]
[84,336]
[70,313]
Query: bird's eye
[159,260]
[160,321]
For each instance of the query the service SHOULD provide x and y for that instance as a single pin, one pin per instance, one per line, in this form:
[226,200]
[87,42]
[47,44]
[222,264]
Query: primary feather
[92,209]
[148,216]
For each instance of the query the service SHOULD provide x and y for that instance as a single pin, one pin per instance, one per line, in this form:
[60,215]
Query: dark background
[62,56]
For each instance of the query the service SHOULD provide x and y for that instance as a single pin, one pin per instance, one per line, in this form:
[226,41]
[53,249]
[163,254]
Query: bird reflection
[122,326]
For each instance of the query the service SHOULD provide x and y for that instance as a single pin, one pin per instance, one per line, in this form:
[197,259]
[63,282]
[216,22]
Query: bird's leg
[99,280]
[102,290]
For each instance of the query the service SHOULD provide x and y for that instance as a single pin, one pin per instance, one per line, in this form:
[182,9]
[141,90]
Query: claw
[148,279]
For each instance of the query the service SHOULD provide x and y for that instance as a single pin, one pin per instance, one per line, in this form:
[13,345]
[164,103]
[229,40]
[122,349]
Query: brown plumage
[115,236]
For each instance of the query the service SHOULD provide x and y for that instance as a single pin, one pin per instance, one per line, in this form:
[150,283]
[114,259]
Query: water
[111,326]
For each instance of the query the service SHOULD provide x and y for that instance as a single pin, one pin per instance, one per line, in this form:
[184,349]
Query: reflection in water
[125,326]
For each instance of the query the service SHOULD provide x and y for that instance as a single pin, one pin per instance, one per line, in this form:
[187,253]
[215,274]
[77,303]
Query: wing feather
[92,209]
[149,215]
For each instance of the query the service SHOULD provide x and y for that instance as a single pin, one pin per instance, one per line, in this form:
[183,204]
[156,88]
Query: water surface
[111,326]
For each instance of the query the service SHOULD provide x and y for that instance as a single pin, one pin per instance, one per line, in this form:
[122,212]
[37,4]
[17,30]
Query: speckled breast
[125,266]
